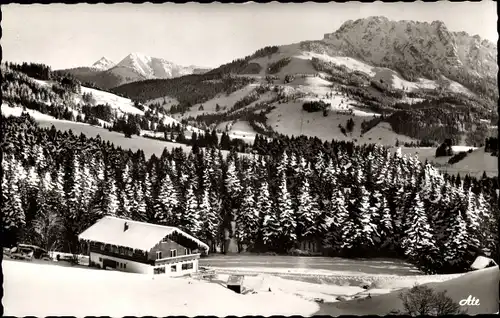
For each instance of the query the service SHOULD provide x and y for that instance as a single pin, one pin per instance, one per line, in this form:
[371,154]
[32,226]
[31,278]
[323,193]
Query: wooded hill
[355,201]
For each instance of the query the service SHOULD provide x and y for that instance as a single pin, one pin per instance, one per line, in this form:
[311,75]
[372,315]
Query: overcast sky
[66,36]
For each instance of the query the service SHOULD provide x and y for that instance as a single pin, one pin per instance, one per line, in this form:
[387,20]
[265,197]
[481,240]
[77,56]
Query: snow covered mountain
[134,67]
[103,64]
[152,67]
[412,48]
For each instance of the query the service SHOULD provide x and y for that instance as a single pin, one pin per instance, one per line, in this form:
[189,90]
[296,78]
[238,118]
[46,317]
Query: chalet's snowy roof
[139,235]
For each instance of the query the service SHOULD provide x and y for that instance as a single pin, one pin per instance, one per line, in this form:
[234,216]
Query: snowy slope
[17,112]
[239,129]
[148,146]
[120,104]
[481,284]
[474,163]
[75,291]
[387,75]
[123,105]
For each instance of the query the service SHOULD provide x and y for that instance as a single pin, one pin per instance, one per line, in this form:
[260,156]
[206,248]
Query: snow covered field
[481,284]
[290,119]
[315,265]
[79,291]
[43,289]
[474,164]
[239,129]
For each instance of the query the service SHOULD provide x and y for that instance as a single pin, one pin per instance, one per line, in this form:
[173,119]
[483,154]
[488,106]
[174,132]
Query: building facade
[139,247]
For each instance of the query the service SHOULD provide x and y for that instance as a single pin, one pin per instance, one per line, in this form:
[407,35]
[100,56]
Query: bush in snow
[423,300]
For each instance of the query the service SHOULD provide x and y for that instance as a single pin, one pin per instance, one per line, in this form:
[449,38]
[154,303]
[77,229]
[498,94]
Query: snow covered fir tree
[348,200]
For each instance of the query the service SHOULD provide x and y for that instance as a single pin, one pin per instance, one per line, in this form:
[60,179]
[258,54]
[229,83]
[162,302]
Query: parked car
[28,252]
[6,252]
[21,253]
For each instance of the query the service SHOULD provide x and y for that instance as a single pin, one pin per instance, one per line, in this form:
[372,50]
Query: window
[124,265]
[173,268]
[173,253]
[159,270]
[102,247]
[100,259]
[158,254]
[120,250]
[187,266]
[130,252]
[187,251]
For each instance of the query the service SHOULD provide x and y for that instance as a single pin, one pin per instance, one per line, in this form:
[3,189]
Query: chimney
[125,227]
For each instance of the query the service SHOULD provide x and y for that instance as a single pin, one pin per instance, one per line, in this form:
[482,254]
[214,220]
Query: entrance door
[109,263]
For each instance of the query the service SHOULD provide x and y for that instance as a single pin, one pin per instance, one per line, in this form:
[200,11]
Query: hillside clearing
[474,164]
[148,146]
[224,101]
[120,104]
[239,129]
[166,101]
[125,105]
[290,119]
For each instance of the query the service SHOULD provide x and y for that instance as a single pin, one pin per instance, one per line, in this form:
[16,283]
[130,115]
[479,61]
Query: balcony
[177,259]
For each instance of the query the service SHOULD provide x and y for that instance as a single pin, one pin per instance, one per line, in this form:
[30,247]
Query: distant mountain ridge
[105,74]
[157,68]
[414,49]
[428,82]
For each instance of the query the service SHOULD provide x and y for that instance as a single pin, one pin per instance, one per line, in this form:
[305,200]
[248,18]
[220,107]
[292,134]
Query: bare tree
[49,227]
[423,300]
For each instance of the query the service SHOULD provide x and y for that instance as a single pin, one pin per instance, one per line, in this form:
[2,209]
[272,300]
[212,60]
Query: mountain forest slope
[351,200]
[436,85]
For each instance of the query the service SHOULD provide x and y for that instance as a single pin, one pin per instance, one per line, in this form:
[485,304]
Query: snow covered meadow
[80,291]
[72,291]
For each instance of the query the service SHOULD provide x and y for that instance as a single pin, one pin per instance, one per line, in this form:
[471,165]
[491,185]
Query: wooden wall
[165,248]
[137,256]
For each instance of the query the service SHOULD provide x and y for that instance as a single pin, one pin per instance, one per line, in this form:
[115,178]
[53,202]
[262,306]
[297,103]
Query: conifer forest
[353,201]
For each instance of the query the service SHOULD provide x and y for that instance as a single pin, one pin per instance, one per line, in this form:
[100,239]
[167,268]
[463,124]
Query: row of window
[119,250]
[130,252]
[120,265]
[173,268]
[173,253]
